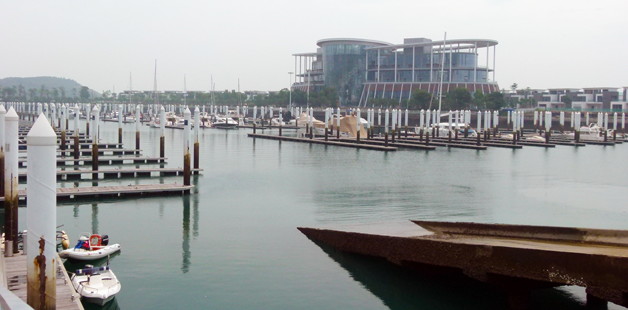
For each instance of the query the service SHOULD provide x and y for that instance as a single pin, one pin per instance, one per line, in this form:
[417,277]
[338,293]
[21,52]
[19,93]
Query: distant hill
[50,83]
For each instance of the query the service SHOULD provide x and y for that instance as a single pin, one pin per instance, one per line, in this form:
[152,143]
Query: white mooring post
[11,165]
[386,121]
[41,216]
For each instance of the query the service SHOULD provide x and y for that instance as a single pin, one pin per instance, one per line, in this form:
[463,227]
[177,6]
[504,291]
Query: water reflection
[185,265]
[400,288]
[94,218]
[195,225]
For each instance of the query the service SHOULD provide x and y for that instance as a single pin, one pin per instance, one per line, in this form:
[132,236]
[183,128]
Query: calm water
[233,243]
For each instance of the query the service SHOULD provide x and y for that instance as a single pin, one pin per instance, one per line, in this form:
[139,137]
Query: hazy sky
[542,43]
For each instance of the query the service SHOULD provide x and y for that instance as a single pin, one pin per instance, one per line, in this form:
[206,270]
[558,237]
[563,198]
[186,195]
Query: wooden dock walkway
[319,141]
[115,191]
[114,173]
[105,160]
[15,275]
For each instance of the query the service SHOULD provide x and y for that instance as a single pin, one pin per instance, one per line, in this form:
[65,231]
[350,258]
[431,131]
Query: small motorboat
[90,247]
[96,285]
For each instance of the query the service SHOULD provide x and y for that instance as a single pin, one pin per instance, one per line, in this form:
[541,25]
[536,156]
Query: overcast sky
[542,43]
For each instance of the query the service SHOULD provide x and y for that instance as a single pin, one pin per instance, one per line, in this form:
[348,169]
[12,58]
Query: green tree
[479,100]
[513,87]
[567,100]
[458,99]
[62,91]
[495,101]
[420,99]
[84,93]
[32,92]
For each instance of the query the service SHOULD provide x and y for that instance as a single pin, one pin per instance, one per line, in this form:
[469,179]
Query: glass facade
[344,69]
[462,68]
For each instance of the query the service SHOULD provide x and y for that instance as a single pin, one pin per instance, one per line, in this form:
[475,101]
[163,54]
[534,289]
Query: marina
[228,192]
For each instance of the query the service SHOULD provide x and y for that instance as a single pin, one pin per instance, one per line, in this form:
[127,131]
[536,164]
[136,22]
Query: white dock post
[197,124]
[41,216]
[3,113]
[162,130]
[138,123]
[187,115]
[11,164]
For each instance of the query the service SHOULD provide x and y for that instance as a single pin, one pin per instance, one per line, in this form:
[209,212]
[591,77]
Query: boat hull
[89,255]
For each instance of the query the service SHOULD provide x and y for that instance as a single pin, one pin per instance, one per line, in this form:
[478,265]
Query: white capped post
[41,216]
[11,165]
[386,121]
[3,113]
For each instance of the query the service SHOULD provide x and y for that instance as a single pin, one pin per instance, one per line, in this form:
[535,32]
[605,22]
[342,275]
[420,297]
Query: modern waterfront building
[587,98]
[362,69]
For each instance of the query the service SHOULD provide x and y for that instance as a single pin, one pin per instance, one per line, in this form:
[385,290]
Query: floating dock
[69,175]
[14,276]
[115,191]
[105,160]
[518,259]
[330,142]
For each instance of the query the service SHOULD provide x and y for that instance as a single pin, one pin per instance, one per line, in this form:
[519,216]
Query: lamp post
[290,88]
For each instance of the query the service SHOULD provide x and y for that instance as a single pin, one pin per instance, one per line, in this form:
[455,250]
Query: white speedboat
[444,129]
[593,132]
[96,285]
[90,247]
[225,123]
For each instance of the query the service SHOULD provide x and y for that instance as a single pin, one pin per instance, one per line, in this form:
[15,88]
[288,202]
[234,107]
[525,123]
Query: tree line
[43,94]
[456,99]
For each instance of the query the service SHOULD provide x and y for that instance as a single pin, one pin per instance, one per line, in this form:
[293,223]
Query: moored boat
[96,285]
[90,247]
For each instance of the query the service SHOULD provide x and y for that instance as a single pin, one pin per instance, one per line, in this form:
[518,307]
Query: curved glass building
[361,69]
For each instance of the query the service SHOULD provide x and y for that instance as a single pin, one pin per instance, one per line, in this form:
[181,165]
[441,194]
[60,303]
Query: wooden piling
[119,135]
[162,147]
[94,160]
[406,131]
[358,137]
[77,151]
[196,158]
[386,139]
[186,169]
[63,143]
[87,127]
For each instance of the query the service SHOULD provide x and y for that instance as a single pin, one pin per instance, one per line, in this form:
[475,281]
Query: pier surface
[116,191]
[14,276]
[516,258]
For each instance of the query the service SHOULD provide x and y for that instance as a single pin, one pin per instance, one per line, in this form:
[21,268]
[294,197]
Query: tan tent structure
[348,126]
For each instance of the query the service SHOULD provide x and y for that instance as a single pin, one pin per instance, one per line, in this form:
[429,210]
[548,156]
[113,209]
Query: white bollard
[11,165]
[197,123]
[386,121]
[41,215]
[187,115]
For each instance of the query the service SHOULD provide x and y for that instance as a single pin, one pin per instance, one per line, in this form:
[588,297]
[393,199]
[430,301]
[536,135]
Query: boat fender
[65,241]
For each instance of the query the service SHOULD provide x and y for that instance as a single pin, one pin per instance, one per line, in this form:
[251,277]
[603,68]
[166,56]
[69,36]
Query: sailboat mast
[442,72]
[185,93]
[155,87]
[239,92]
[130,88]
